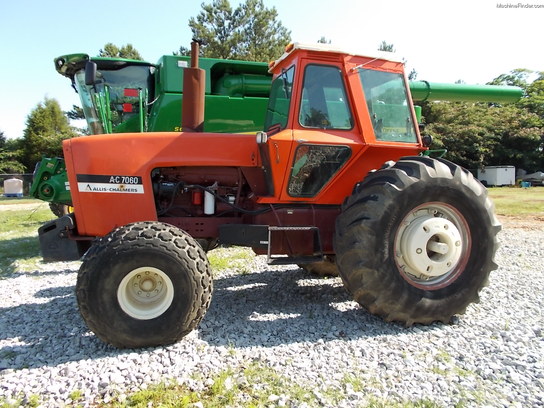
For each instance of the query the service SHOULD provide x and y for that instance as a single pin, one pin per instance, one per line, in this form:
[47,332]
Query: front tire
[415,242]
[59,209]
[145,284]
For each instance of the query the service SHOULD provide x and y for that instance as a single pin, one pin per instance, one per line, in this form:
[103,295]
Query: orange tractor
[338,182]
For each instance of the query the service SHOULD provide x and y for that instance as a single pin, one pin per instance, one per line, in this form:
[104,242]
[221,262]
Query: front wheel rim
[432,246]
[145,293]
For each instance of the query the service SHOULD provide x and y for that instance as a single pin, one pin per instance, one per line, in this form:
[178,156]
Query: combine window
[387,102]
[113,104]
[324,104]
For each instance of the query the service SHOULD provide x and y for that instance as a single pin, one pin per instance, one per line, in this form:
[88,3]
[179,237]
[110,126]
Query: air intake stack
[194,86]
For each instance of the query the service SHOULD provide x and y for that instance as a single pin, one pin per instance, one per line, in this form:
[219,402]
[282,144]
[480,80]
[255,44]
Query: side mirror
[90,73]
[427,140]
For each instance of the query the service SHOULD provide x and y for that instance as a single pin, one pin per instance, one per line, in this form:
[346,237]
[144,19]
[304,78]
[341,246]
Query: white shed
[497,175]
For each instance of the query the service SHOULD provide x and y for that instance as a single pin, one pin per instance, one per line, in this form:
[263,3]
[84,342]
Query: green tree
[482,134]
[517,77]
[534,97]
[251,31]
[182,51]
[9,155]
[46,128]
[384,46]
[478,135]
[76,113]
[263,36]
[126,51]
[217,26]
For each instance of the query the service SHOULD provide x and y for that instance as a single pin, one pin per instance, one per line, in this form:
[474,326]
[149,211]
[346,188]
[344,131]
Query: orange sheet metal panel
[110,175]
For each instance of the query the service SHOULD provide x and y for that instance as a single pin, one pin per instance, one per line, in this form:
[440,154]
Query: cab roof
[330,48]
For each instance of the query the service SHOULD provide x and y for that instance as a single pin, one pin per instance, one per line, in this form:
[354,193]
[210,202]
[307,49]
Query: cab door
[325,134]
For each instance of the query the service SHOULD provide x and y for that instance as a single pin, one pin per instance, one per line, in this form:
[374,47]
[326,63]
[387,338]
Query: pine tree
[249,32]
[46,128]
[126,51]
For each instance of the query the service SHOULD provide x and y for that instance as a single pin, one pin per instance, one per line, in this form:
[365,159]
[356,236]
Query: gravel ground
[303,328]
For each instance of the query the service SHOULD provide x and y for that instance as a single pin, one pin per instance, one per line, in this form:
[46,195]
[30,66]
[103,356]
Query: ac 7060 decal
[92,183]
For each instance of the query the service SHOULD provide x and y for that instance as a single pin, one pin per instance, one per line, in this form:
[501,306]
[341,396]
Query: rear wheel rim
[145,293]
[432,245]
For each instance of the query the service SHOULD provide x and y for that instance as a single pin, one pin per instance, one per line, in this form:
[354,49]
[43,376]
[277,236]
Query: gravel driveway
[303,328]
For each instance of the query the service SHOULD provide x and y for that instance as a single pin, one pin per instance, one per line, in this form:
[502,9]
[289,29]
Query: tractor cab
[114,92]
[327,107]
[325,101]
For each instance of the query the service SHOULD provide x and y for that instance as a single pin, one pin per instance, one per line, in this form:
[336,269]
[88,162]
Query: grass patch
[238,258]
[16,200]
[18,237]
[31,402]
[380,403]
[256,385]
[515,201]
[22,222]
[253,386]
[76,395]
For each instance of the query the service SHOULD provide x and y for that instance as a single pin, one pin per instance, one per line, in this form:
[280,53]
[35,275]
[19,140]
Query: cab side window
[324,103]
[314,166]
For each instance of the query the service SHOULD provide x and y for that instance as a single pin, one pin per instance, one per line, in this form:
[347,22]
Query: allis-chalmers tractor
[337,181]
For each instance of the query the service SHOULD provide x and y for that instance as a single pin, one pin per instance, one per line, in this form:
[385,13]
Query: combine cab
[337,182]
[120,95]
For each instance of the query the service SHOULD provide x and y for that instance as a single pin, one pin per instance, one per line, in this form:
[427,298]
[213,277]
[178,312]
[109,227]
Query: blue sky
[471,40]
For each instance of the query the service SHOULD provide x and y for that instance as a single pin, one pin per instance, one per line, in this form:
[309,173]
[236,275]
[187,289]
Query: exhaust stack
[194,87]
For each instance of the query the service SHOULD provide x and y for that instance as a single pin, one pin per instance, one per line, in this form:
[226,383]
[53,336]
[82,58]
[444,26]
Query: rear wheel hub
[430,245]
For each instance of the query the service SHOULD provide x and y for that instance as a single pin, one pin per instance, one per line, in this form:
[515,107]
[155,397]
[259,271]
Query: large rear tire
[144,284]
[416,240]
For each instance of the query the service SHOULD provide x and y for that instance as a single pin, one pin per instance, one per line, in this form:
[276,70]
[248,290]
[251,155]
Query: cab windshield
[387,102]
[117,102]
